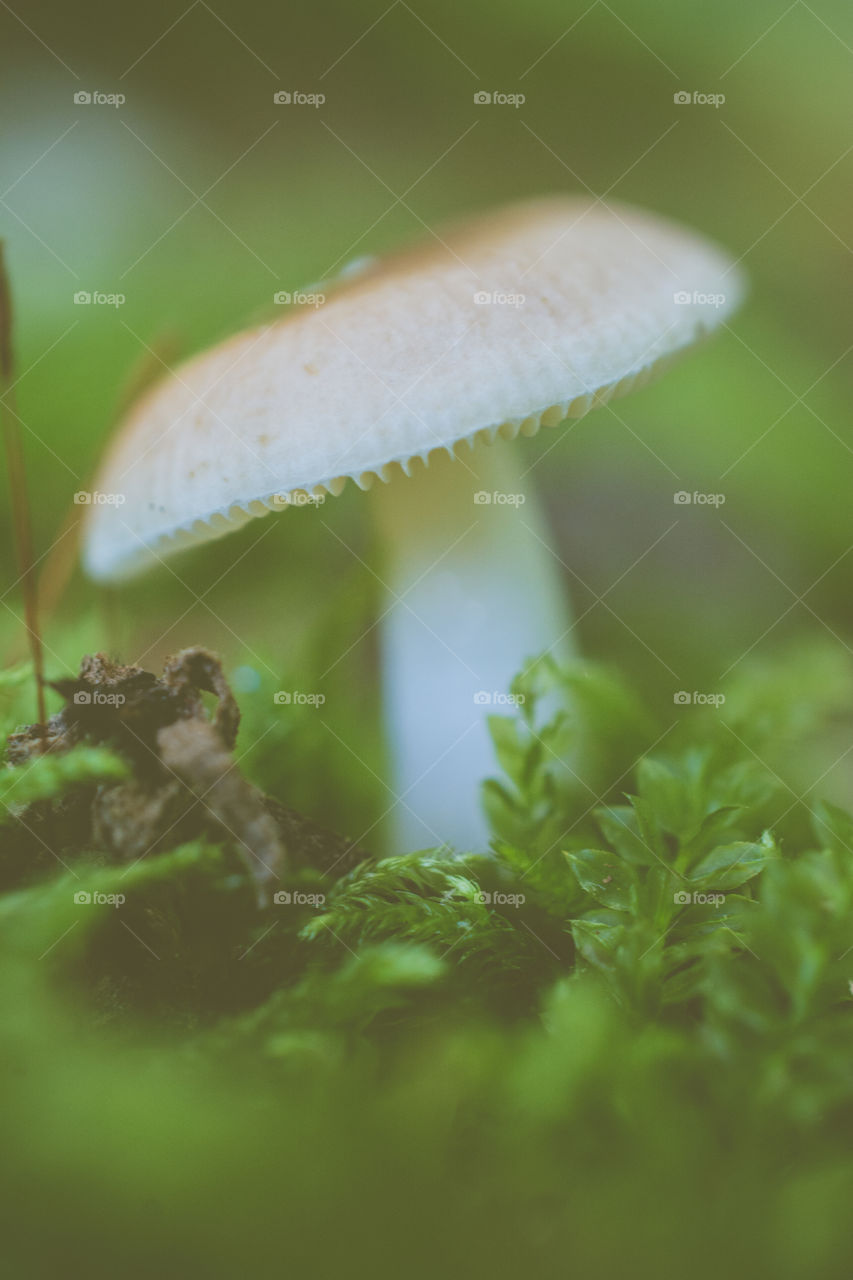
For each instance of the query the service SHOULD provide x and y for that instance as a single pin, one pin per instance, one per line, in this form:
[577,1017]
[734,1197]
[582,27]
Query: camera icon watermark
[295,98]
[683,898]
[297,498]
[485,498]
[498,98]
[96,298]
[684,499]
[97,698]
[498,298]
[83,98]
[284,299]
[495,898]
[697,699]
[293,697]
[684,298]
[94,498]
[683,98]
[84,898]
[498,699]
[288,898]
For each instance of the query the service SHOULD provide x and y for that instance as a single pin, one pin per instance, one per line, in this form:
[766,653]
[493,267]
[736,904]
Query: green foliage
[324,760]
[576,736]
[471,913]
[663,886]
[641,997]
[48,777]
[16,683]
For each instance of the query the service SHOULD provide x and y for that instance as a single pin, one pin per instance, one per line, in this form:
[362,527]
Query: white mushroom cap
[507,322]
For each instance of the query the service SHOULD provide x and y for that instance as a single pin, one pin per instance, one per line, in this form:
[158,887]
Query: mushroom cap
[500,324]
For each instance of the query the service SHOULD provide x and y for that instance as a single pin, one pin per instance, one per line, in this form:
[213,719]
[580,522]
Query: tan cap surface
[508,322]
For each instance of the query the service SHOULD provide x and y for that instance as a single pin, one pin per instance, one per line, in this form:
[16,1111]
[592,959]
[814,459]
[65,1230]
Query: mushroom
[407,371]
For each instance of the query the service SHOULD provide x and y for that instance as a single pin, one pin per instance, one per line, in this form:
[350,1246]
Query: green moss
[625,1032]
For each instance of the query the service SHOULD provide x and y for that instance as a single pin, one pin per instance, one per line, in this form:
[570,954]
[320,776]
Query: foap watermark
[83,897]
[497,98]
[498,699]
[95,498]
[498,298]
[85,98]
[484,898]
[684,298]
[296,98]
[298,299]
[684,499]
[96,298]
[294,898]
[96,698]
[295,698]
[686,98]
[298,498]
[683,898]
[497,498]
[696,699]
[495,898]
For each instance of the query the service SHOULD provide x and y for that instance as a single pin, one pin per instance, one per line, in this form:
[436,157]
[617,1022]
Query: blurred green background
[198,198]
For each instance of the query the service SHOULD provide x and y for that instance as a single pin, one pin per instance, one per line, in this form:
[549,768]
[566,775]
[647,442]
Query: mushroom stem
[472,593]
